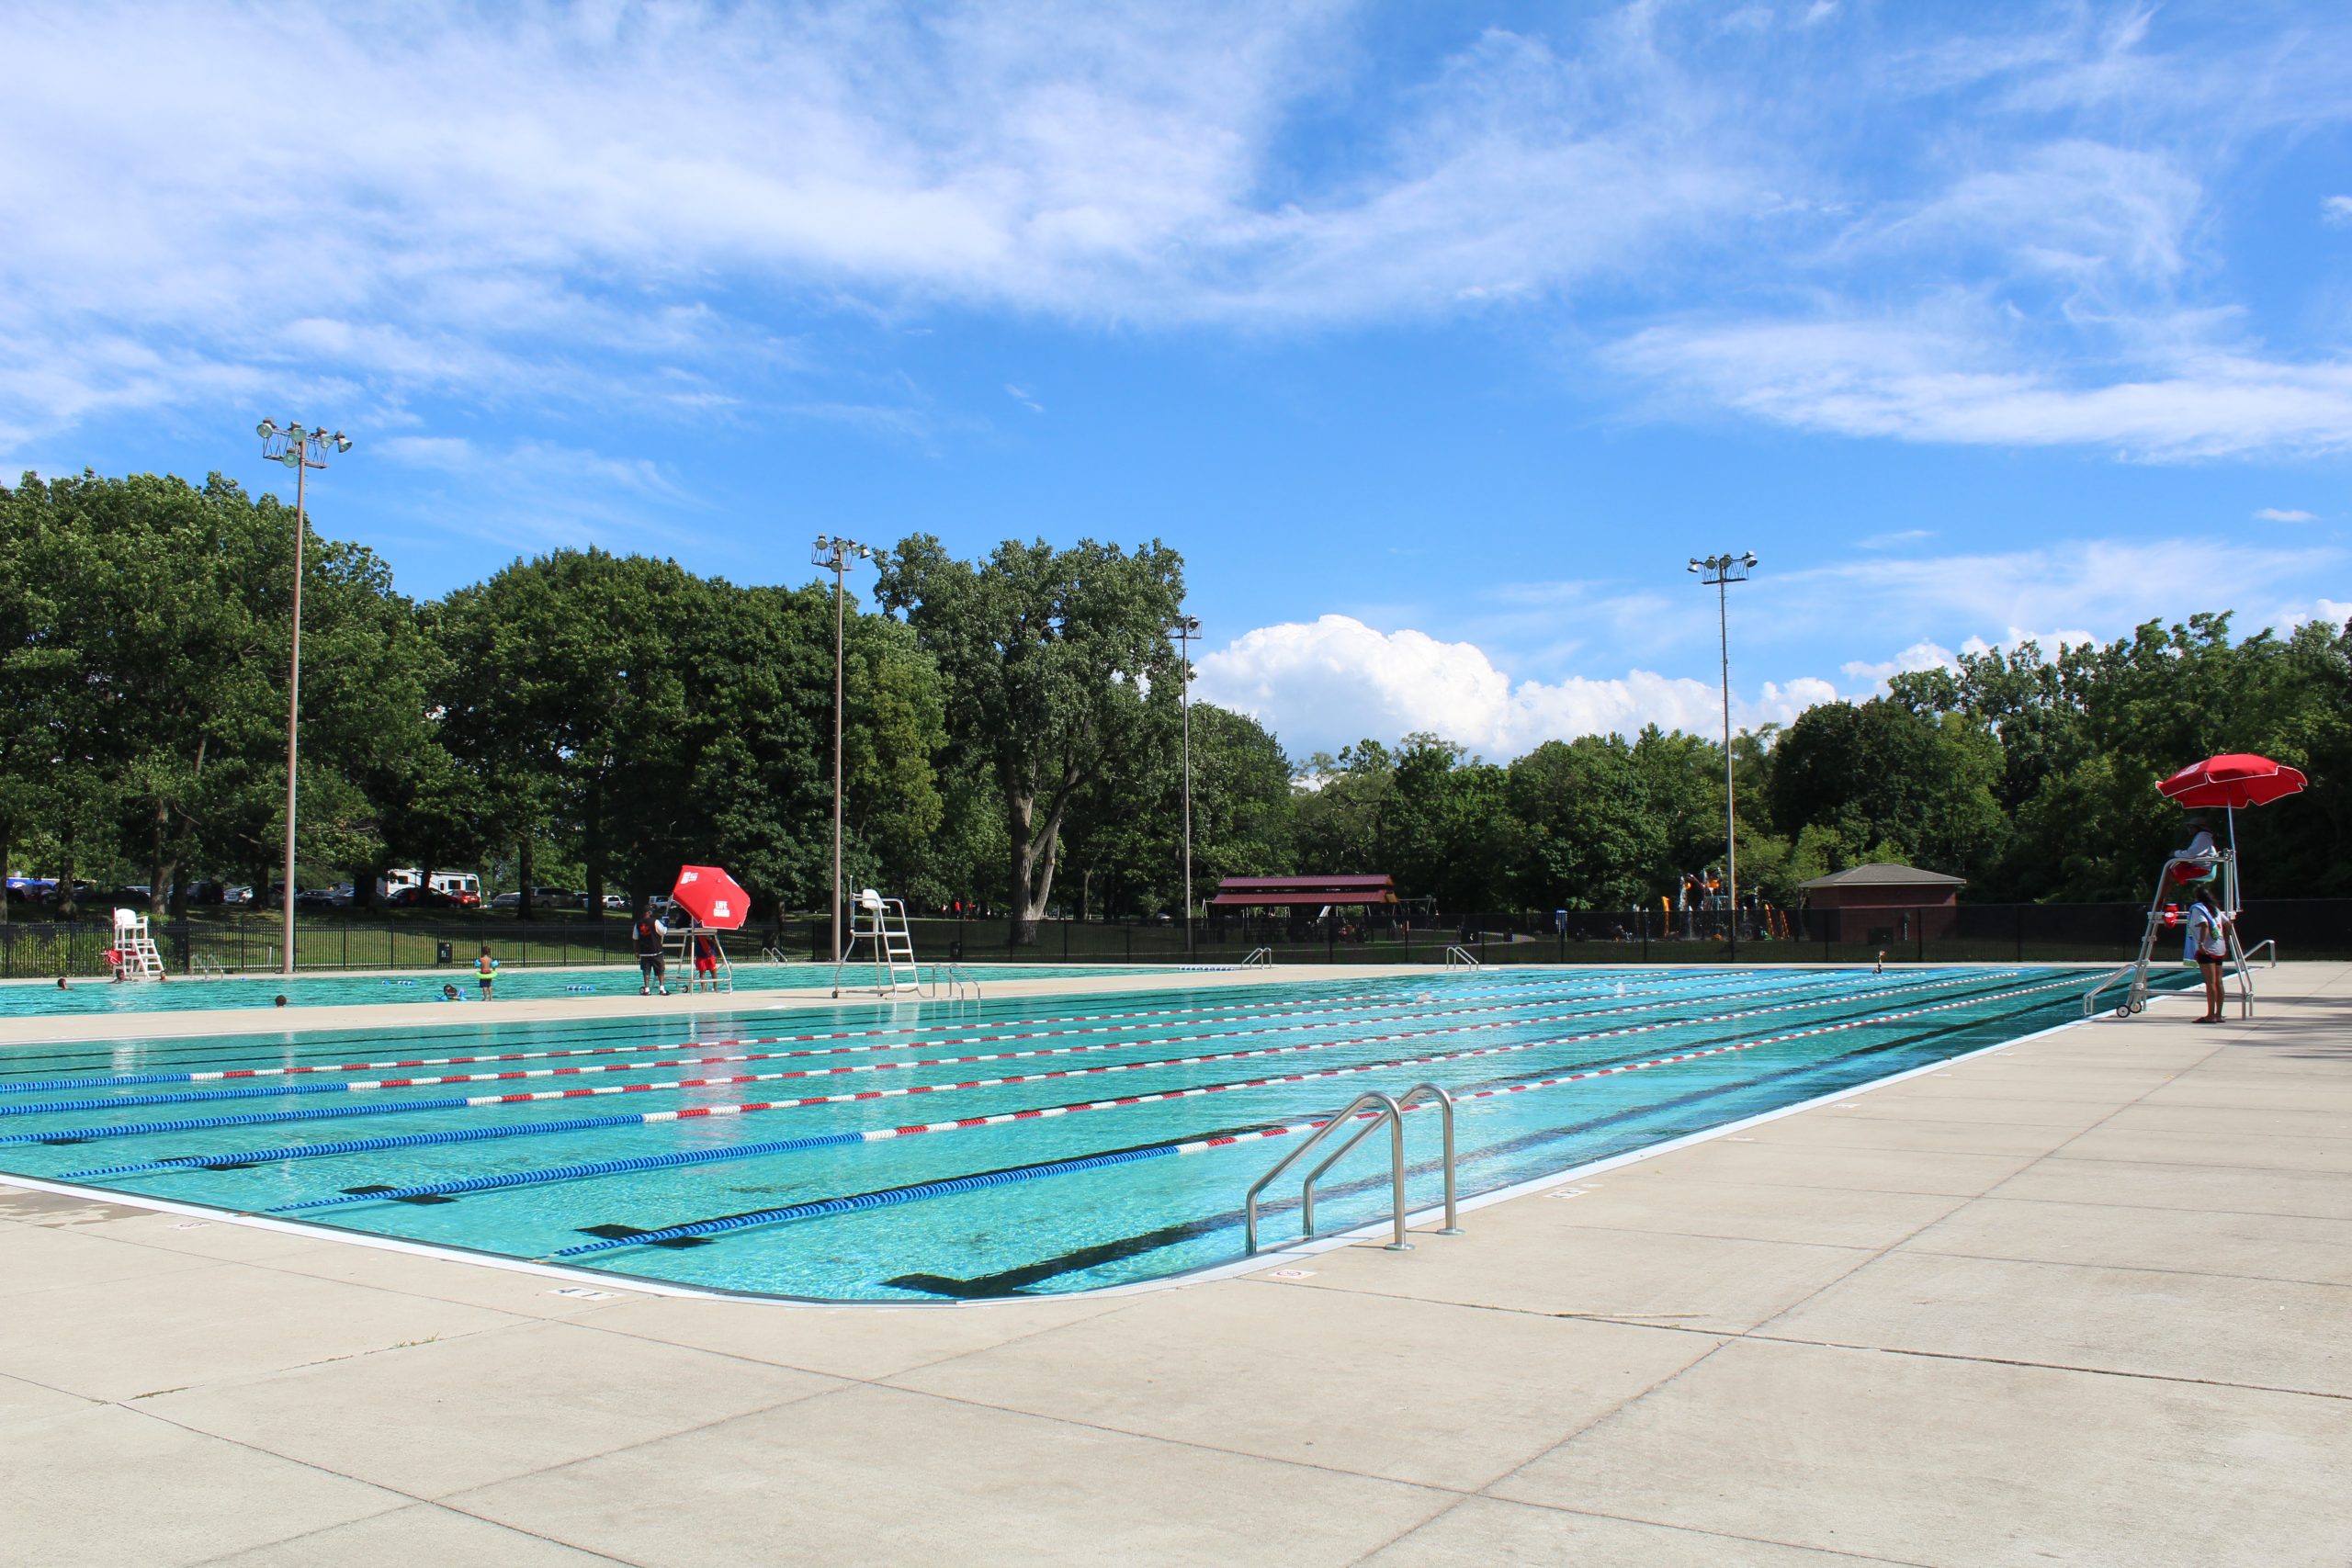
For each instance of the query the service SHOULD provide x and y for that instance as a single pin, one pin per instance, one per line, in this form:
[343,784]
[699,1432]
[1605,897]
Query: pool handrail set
[1386,1110]
[1461,958]
[881,924]
[2161,921]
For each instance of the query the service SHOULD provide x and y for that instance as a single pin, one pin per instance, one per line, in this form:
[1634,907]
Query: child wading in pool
[486,969]
[654,971]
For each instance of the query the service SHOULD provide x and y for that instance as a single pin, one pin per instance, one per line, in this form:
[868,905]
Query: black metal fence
[2302,928]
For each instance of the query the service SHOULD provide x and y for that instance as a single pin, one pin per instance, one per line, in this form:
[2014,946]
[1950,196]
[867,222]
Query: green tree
[1046,655]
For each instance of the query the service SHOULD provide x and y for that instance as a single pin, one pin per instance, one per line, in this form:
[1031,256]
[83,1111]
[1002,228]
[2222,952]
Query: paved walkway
[2083,1301]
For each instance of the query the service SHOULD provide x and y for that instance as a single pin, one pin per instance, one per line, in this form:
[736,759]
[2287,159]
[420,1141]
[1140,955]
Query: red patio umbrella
[2241,778]
[2235,779]
[711,897]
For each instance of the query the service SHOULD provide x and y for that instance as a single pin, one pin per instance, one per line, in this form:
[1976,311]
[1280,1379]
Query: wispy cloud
[2335,210]
[1892,540]
[2284,514]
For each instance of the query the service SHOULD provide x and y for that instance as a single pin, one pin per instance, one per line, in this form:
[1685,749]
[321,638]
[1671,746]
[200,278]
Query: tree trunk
[526,871]
[592,837]
[7,840]
[159,870]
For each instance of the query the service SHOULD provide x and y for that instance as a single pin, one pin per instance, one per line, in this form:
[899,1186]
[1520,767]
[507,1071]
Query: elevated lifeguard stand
[2165,916]
[715,903]
[881,924]
[133,955]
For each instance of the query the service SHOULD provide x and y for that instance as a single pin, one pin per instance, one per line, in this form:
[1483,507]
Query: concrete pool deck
[2086,1299]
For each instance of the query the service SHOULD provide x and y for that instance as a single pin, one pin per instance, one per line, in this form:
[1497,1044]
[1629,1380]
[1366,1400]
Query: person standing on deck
[2209,944]
[651,969]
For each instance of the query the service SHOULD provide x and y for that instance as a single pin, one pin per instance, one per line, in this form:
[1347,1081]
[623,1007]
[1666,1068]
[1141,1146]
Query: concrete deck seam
[2136,1267]
[2045,1366]
[585,1320]
[435,1502]
[1708,1534]
[1438,1488]
[236,1552]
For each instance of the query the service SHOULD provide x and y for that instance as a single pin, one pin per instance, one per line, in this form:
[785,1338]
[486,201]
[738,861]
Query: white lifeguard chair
[683,939]
[2164,917]
[881,924]
[133,955]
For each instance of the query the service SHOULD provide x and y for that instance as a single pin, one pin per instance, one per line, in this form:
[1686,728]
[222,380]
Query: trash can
[443,953]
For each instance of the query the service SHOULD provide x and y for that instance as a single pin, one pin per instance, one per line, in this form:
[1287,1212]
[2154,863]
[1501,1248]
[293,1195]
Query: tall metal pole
[293,447]
[839,631]
[1187,627]
[1720,572]
[1731,795]
[294,698]
[835,554]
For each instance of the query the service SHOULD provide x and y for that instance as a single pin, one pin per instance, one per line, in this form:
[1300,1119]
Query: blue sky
[1436,336]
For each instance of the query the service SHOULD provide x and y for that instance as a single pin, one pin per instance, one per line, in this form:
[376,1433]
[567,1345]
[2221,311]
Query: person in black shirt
[651,968]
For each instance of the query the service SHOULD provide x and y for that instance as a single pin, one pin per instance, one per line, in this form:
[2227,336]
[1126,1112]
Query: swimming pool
[938,1151]
[42,998]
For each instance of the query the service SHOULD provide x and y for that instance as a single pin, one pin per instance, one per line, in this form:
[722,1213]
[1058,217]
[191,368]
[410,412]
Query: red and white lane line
[1178,1015]
[743,1107]
[1818,998]
[878,1134]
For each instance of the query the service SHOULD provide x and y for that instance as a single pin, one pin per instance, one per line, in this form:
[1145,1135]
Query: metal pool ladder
[1461,958]
[1259,958]
[1385,1108]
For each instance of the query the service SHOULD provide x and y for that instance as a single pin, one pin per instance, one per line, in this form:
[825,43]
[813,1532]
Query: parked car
[558,899]
[617,901]
[507,901]
[343,896]
[238,895]
[314,898]
[415,898]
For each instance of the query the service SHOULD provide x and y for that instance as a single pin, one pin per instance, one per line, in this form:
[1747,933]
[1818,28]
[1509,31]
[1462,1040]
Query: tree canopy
[1012,738]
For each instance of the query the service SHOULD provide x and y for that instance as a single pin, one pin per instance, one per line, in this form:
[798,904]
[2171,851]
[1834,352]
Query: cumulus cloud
[2335,210]
[1324,683]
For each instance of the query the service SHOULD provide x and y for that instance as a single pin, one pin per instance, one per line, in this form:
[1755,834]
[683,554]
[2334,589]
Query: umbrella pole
[2235,909]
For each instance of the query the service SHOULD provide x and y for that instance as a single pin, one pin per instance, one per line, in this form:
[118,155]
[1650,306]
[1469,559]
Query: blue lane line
[199,1123]
[194,1096]
[573,1172]
[354,1147]
[876,1200]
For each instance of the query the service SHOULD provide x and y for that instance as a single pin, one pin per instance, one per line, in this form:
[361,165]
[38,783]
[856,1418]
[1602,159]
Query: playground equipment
[881,924]
[133,955]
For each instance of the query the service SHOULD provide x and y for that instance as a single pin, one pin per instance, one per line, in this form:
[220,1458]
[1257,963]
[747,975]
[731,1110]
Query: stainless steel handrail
[1461,958]
[1404,1102]
[1385,1107]
[1374,1099]
[2245,959]
[1259,958]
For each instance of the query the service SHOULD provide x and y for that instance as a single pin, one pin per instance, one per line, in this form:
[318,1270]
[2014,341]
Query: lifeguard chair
[881,924]
[714,902]
[2183,873]
[133,955]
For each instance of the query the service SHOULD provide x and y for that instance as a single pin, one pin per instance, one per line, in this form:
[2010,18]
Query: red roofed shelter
[1305,893]
[1886,901]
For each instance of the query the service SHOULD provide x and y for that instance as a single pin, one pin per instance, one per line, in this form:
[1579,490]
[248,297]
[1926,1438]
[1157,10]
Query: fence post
[2020,908]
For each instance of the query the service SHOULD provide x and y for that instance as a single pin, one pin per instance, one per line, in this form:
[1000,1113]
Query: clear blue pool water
[986,1208]
[42,998]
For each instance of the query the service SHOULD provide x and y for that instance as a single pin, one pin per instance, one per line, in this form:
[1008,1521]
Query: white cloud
[1899,537]
[1324,684]
[2284,514]
[1020,395]
[2335,210]
[1918,655]
[1917,381]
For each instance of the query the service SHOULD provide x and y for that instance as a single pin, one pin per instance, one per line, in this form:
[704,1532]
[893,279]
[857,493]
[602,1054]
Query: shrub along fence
[2108,933]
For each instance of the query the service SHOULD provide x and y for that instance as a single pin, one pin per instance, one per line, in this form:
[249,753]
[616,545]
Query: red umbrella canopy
[711,897]
[2238,779]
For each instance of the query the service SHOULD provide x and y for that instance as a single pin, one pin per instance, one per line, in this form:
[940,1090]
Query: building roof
[1880,874]
[1299,891]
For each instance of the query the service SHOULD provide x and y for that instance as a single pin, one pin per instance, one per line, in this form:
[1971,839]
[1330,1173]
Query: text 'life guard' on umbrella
[714,902]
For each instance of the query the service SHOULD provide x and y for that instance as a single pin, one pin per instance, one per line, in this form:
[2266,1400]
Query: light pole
[1186,629]
[1719,572]
[835,554]
[295,447]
